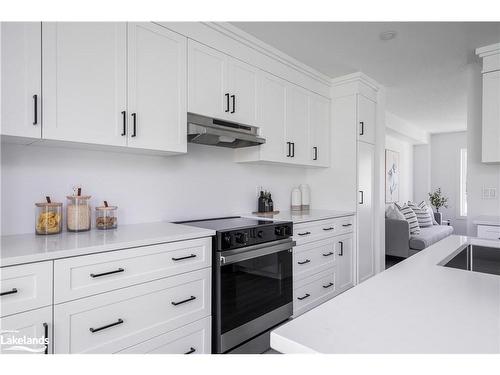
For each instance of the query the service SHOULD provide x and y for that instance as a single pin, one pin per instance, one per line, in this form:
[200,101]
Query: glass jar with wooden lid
[48,217]
[78,217]
[106,217]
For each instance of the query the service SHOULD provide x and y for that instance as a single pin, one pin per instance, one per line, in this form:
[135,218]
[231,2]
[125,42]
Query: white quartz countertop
[416,306]
[27,248]
[302,216]
[487,220]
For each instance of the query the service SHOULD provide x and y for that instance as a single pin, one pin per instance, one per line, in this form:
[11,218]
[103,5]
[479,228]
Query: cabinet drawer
[113,321]
[193,338]
[489,232]
[317,230]
[312,258]
[25,287]
[313,291]
[31,324]
[92,274]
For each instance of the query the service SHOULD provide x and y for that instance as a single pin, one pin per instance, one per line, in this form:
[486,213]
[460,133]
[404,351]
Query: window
[463,182]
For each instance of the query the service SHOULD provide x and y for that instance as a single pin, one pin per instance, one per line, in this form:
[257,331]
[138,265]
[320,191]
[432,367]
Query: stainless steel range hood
[213,132]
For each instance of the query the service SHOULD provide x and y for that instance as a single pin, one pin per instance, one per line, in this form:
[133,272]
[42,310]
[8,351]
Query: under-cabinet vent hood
[209,131]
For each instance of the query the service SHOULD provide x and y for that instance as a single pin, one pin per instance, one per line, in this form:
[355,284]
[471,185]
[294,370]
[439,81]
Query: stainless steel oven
[253,292]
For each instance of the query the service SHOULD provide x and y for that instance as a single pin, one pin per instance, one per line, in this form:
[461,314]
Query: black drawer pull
[190,351]
[304,262]
[106,273]
[13,291]
[329,228]
[304,233]
[306,295]
[227,102]
[192,298]
[328,254]
[341,248]
[46,337]
[134,125]
[124,129]
[94,330]
[35,109]
[327,285]
[346,225]
[186,257]
[362,132]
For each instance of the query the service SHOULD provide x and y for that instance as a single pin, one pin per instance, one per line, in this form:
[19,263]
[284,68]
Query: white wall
[421,172]
[405,150]
[479,174]
[204,183]
[445,173]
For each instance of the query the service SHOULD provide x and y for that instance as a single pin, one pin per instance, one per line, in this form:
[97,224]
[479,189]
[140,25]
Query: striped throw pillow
[424,206]
[423,217]
[410,217]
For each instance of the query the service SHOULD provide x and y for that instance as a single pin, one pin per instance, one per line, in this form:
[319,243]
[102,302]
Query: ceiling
[423,68]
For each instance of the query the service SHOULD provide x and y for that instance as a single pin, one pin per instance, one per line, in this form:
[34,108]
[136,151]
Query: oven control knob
[280,231]
[227,239]
[260,234]
[241,237]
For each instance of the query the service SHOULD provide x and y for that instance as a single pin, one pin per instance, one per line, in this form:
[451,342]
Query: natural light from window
[463,182]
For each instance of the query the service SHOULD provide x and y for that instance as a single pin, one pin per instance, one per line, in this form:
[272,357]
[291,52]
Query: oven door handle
[255,251]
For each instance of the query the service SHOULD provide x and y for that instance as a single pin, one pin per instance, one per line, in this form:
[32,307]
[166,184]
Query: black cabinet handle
[306,295]
[329,228]
[289,144]
[233,97]
[362,196]
[35,109]
[305,261]
[134,124]
[293,150]
[12,291]
[186,257]
[327,285]
[106,273]
[328,254]
[315,149]
[304,233]
[46,337]
[362,132]
[94,330]
[346,225]
[186,300]
[190,351]
[124,129]
[341,248]
[227,101]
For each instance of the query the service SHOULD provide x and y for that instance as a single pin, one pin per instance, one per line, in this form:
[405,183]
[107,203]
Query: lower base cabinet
[194,338]
[313,291]
[117,320]
[35,325]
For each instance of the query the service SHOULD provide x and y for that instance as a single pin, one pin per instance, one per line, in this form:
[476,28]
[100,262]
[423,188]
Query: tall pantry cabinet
[355,111]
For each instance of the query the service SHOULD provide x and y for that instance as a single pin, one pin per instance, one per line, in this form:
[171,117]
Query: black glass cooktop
[228,223]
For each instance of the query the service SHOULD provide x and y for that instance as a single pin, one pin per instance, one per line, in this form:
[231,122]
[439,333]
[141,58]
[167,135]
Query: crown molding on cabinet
[491,57]
[355,83]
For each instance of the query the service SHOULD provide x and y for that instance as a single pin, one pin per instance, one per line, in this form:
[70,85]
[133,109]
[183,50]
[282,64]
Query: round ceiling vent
[388,35]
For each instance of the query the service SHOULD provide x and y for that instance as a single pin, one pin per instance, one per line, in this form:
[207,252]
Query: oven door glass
[253,287]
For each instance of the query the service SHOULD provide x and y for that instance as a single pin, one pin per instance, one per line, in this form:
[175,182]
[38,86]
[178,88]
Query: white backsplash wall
[204,183]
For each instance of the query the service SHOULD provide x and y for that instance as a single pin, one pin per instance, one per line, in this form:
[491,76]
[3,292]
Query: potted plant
[438,200]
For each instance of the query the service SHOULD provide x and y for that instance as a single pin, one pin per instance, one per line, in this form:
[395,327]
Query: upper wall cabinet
[21,62]
[491,103]
[297,124]
[366,119]
[84,82]
[319,129]
[220,86]
[156,88]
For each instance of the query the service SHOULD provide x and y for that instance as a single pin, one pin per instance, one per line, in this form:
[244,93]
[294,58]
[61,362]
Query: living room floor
[392,260]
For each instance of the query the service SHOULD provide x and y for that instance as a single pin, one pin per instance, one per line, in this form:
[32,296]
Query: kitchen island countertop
[416,306]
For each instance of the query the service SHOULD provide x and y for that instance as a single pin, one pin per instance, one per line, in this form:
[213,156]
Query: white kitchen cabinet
[366,119]
[157,66]
[319,130]
[220,86]
[344,251]
[31,324]
[84,82]
[491,117]
[297,125]
[21,79]
[112,321]
[365,247]
[206,81]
